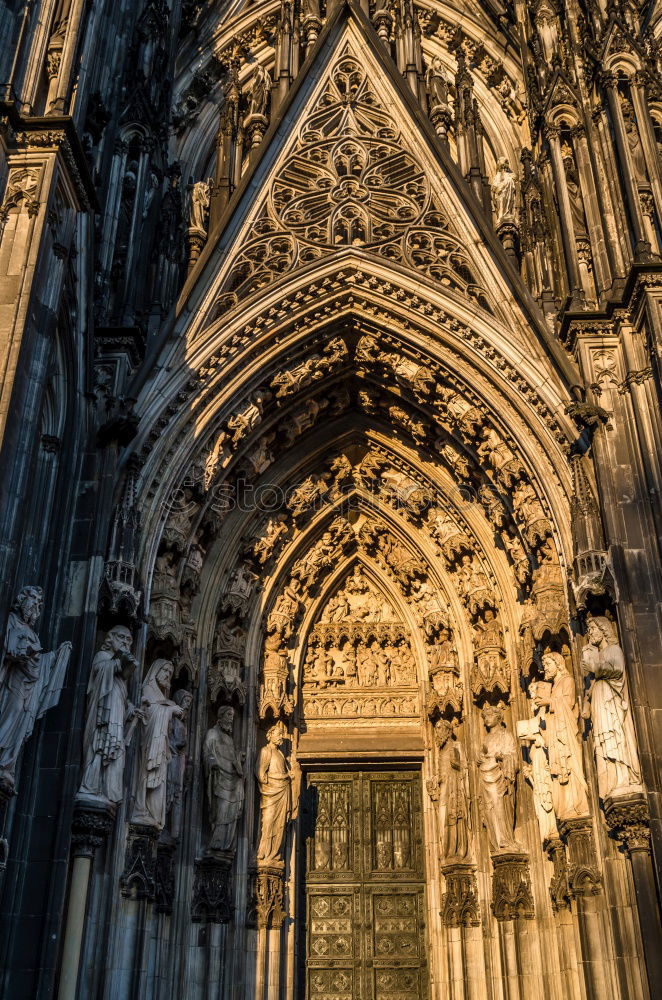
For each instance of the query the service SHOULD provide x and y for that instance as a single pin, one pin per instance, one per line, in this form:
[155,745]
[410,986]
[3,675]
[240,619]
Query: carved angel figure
[110,718]
[224,771]
[30,680]
[607,704]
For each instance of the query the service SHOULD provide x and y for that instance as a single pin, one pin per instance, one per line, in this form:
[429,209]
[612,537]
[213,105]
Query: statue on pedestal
[504,192]
[607,704]
[110,719]
[224,770]
[274,779]
[450,789]
[497,769]
[30,681]
[178,739]
[154,755]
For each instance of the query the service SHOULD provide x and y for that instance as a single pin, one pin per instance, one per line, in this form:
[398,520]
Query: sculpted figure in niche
[224,771]
[450,789]
[274,780]
[497,769]
[436,84]
[199,205]
[561,714]
[537,771]
[574,191]
[30,680]
[178,739]
[259,92]
[109,713]
[154,755]
[607,704]
[504,193]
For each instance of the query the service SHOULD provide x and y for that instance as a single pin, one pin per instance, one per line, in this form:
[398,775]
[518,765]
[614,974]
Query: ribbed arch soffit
[187,404]
[248,28]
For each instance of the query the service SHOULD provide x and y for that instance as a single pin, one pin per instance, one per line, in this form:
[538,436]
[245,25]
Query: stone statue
[607,704]
[497,769]
[199,205]
[178,739]
[504,192]
[274,780]
[154,754]
[259,92]
[450,789]
[224,770]
[110,719]
[30,681]
[537,771]
[436,83]
[561,735]
[574,191]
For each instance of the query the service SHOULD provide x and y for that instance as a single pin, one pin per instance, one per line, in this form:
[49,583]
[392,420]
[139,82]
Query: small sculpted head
[29,604]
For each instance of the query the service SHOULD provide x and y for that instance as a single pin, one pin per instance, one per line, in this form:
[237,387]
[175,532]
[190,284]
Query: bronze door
[365,882]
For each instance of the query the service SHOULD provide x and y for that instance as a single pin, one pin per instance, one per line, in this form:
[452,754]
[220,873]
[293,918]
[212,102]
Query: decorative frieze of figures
[239,589]
[407,372]
[607,704]
[359,661]
[313,368]
[30,681]
[474,586]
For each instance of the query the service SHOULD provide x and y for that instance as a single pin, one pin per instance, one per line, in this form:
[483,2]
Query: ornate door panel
[364,887]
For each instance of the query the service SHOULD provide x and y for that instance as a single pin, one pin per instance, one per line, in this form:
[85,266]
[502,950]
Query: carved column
[628,820]
[90,828]
[460,913]
[270,914]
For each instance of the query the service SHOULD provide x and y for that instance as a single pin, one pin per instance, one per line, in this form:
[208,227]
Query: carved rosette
[138,880]
[90,828]
[270,896]
[459,903]
[584,877]
[511,887]
[558,886]
[212,901]
[628,820]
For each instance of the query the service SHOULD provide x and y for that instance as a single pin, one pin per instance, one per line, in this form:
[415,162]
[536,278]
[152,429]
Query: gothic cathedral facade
[331,480]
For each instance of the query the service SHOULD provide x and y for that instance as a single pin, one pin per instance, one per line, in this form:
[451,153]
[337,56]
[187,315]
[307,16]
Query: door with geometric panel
[364,887]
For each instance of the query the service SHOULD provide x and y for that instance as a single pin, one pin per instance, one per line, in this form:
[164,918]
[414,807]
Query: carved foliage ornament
[349,181]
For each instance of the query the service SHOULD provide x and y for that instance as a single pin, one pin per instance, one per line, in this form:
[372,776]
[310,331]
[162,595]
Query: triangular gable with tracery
[350,181]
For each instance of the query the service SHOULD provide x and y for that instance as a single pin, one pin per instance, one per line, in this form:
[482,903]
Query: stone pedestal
[212,901]
[270,895]
[508,233]
[164,874]
[583,873]
[459,902]
[138,880]
[255,126]
[511,887]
